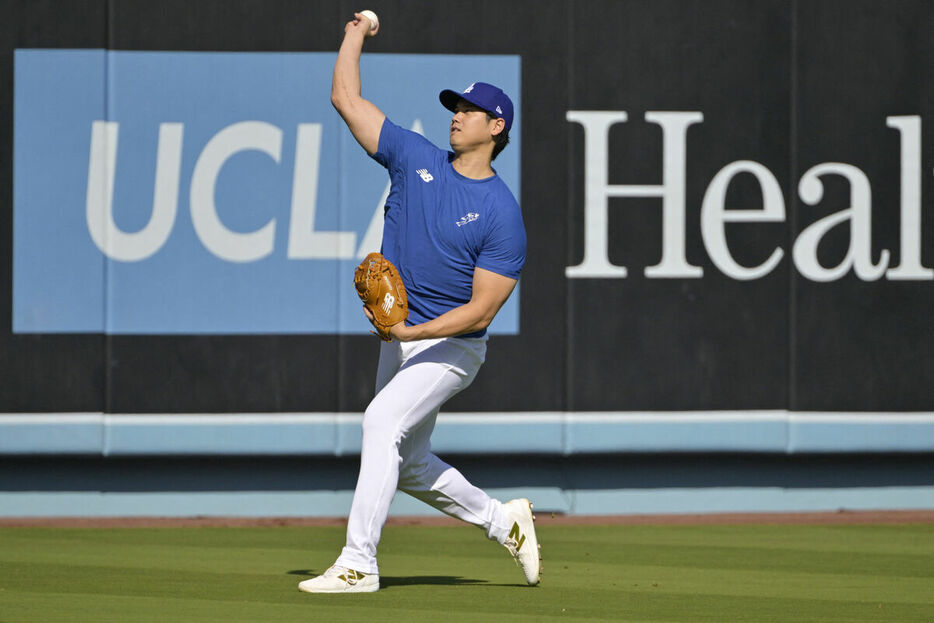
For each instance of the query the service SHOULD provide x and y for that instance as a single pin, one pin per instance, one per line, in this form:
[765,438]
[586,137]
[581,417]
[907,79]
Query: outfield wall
[728,207]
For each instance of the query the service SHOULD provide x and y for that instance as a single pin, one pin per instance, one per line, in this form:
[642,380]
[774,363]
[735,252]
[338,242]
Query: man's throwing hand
[364,22]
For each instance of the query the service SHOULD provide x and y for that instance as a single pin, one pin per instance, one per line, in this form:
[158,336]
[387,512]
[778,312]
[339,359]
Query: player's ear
[498,126]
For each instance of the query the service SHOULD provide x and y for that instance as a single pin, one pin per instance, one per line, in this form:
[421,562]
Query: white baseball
[370,15]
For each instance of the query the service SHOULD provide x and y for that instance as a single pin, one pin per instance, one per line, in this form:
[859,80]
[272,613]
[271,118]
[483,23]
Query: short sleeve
[390,144]
[504,247]
[396,143]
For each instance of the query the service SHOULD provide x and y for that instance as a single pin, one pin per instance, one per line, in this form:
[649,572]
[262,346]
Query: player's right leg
[338,578]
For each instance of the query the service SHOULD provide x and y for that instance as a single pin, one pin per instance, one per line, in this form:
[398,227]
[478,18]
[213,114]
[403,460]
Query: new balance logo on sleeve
[426,176]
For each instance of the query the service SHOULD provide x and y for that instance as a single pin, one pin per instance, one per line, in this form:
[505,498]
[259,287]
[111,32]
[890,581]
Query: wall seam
[107,405]
[569,239]
[792,396]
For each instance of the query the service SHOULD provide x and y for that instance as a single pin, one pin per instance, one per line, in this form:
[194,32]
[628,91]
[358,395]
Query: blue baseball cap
[486,96]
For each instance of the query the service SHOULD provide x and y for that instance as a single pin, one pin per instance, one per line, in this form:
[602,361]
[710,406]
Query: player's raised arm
[363,118]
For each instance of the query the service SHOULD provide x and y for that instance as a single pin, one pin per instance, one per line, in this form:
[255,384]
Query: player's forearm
[467,318]
[345,84]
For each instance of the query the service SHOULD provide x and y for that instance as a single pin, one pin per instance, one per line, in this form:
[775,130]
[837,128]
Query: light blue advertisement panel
[211,193]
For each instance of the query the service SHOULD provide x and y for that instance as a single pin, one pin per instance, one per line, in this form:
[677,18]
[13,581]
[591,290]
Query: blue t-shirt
[441,225]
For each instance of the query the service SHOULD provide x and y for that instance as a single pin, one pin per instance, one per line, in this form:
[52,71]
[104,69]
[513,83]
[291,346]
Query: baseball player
[455,232]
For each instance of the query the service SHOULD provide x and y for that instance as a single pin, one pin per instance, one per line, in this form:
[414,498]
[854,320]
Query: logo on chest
[470,217]
[425,175]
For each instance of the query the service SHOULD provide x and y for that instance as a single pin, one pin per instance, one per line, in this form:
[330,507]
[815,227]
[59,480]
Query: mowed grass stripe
[915,539]
[832,587]
[215,583]
[754,609]
[112,580]
[759,559]
[55,606]
[433,605]
[629,573]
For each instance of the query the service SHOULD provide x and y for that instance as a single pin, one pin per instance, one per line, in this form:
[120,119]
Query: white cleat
[522,542]
[341,580]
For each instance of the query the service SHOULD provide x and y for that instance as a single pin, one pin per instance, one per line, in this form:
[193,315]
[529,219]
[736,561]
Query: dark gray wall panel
[788,85]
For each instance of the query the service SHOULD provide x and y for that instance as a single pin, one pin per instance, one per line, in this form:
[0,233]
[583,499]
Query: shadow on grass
[413,580]
[439,580]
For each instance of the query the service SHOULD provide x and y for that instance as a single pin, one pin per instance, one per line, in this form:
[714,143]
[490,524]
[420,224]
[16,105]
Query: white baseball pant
[412,382]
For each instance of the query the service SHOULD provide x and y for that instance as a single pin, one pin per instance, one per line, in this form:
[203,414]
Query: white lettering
[674,264]
[99,211]
[859,254]
[597,191]
[909,266]
[714,216]
[219,240]
[304,241]
[596,262]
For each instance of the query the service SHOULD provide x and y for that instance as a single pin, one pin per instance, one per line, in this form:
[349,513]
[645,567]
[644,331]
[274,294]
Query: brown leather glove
[380,287]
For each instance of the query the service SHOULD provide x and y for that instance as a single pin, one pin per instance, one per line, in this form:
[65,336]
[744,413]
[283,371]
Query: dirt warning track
[543,519]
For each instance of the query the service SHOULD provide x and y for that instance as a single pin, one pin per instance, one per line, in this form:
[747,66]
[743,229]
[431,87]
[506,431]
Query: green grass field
[442,574]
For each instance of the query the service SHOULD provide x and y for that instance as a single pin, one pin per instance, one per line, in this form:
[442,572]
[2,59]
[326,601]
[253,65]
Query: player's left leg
[426,477]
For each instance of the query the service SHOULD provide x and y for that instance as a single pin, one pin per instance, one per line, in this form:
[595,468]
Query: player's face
[470,127]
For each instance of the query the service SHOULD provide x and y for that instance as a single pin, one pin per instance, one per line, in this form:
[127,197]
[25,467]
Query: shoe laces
[511,545]
[334,571]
